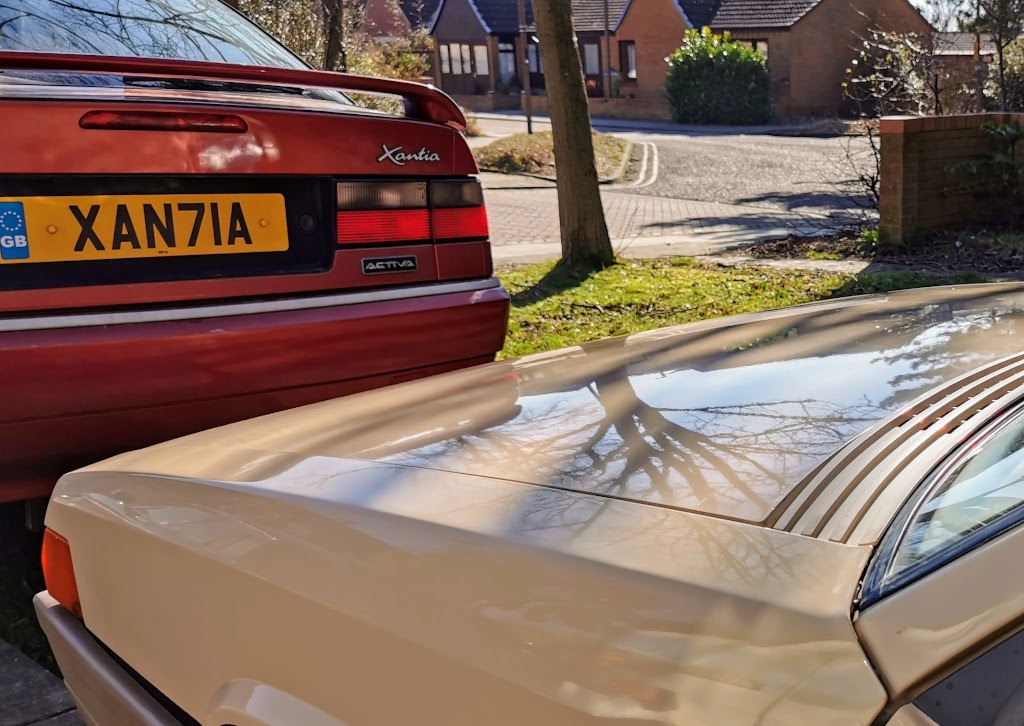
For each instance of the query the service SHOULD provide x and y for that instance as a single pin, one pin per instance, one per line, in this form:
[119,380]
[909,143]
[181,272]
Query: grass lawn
[554,308]
[535,154]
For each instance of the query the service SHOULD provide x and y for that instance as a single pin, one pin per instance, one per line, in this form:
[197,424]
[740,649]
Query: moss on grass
[554,307]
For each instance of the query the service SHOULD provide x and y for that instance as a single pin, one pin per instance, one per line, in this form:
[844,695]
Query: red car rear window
[201,30]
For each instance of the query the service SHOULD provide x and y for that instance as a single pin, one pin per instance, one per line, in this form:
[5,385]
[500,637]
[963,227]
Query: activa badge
[13,232]
[384,265]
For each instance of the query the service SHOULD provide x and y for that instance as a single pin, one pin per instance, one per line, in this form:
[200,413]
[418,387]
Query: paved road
[30,695]
[523,216]
[712,188]
[809,175]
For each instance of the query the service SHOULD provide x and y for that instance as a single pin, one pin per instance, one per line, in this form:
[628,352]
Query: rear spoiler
[422,102]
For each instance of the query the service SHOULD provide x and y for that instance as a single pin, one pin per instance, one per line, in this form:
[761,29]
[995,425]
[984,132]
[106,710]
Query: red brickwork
[657,27]
[646,109]
[920,190]
[823,45]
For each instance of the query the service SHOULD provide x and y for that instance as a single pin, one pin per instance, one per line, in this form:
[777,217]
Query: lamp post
[524,67]
[607,52]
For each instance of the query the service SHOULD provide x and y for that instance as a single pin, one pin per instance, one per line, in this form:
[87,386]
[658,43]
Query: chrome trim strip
[224,310]
[103,690]
[801,511]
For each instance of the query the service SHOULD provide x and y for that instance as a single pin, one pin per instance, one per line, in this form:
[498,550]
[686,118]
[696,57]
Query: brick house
[962,65]
[810,44]
[387,20]
[478,49]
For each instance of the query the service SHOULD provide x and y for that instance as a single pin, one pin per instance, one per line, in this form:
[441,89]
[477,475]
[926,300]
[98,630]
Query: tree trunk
[585,240]
[334,29]
[1002,74]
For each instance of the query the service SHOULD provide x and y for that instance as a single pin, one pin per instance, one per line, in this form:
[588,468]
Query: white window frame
[482,60]
[456,52]
[630,72]
[592,59]
[536,62]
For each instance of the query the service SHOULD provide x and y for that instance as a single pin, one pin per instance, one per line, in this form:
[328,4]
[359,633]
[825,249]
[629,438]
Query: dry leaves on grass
[535,154]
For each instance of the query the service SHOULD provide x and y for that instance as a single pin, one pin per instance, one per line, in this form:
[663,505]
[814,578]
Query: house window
[480,57]
[627,59]
[533,53]
[446,61]
[592,59]
[467,60]
[761,45]
[507,62]
[456,59]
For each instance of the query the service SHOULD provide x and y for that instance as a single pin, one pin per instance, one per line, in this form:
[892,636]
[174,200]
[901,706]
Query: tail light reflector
[160,121]
[59,573]
[386,225]
[460,223]
[372,212]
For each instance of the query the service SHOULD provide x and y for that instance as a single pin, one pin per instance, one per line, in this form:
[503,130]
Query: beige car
[809,516]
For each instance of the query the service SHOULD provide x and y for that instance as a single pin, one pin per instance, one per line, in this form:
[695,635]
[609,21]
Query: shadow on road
[834,200]
[757,225]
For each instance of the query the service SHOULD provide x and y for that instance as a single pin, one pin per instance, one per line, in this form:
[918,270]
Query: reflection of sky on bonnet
[731,441]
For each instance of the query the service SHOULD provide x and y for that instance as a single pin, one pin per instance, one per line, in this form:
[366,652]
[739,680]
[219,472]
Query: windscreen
[198,30]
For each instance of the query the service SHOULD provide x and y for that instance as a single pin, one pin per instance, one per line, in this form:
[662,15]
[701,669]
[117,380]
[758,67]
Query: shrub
[1014,61]
[713,79]
[472,124]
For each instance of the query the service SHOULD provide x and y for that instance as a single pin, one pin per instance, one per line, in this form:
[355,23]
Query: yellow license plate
[90,228]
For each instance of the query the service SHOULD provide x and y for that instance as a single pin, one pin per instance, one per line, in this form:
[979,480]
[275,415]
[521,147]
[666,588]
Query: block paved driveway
[689,191]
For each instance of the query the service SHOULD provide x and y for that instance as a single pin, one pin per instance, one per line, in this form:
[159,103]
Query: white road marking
[643,166]
[654,167]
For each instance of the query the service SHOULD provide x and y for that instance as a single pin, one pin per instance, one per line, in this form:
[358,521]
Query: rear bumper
[84,387]
[103,691]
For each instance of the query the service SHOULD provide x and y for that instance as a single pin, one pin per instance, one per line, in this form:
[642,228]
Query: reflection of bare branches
[183,29]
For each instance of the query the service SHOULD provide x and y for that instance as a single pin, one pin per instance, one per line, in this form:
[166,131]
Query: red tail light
[464,223]
[385,225]
[160,121]
[438,211]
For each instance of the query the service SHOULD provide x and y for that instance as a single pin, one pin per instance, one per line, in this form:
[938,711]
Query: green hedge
[713,79]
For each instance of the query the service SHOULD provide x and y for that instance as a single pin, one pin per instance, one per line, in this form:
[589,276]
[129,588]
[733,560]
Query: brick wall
[657,28]
[779,65]
[384,18]
[919,192]
[824,43]
[646,109]
[490,102]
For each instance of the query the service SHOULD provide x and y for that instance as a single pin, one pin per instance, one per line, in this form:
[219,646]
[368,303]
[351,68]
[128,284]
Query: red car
[196,228]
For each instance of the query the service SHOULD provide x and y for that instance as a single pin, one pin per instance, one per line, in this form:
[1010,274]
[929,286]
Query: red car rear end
[184,243]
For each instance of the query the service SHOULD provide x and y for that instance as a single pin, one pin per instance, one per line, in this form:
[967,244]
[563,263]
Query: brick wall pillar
[922,188]
[899,182]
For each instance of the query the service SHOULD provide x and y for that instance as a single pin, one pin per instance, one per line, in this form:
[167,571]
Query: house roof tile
[419,12]
[737,14]
[502,16]
[962,44]
[588,15]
